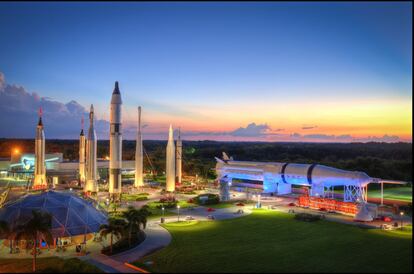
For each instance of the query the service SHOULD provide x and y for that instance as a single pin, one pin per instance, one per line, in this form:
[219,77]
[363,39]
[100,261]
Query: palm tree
[114,227]
[38,226]
[144,211]
[134,220]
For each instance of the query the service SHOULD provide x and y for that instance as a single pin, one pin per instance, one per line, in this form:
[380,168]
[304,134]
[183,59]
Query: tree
[38,226]
[134,220]
[114,227]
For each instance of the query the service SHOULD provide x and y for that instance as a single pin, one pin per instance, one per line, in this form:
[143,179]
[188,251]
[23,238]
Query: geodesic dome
[71,215]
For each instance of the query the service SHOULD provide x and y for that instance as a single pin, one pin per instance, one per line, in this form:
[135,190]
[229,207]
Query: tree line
[382,160]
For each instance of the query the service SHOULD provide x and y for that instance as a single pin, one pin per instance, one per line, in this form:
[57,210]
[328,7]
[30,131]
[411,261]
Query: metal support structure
[225,184]
[329,192]
[353,193]
[382,193]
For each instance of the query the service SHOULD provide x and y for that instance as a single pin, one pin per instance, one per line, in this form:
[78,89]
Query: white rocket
[115,143]
[170,166]
[40,166]
[178,158]
[139,182]
[91,149]
[82,151]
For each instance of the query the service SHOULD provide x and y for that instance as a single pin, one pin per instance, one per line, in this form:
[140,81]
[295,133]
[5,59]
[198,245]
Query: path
[157,238]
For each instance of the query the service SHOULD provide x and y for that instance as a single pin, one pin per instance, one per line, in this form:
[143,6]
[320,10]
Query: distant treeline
[380,160]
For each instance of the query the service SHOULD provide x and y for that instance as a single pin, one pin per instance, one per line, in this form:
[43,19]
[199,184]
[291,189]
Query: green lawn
[270,241]
[396,193]
[157,212]
[134,197]
[393,193]
[48,265]
[228,204]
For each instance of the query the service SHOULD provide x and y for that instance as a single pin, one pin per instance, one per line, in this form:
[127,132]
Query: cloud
[19,108]
[341,138]
[305,127]
[252,130]
[319,136]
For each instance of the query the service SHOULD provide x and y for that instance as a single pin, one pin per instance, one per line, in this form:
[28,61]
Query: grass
[157,212]
[134,197]
[270,241]
[46,264]
[229,204]
[403,194]
[183,204]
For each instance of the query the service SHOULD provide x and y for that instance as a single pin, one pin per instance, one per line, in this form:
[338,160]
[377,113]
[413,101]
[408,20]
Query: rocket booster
[82,152]
[138,155]
[91,170]
[115,143]
[170,163]
[40,167]
[178,158]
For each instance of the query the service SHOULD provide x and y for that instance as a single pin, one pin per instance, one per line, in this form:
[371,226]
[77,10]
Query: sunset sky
[314,72]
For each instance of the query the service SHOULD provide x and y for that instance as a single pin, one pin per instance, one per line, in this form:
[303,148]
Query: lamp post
[402,215]
[178,208]
[107,204]
[162,218]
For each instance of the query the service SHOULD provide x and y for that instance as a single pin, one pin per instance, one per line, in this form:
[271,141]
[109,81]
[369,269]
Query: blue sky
[189,63]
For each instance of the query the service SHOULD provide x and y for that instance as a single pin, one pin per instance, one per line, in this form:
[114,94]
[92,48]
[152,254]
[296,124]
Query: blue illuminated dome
[71,215]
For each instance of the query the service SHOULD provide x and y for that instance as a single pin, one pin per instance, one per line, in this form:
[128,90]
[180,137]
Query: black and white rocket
[178,158]
[82,154]
[139,182]
[40,166]
[91,184]
[115,143]
[170,162]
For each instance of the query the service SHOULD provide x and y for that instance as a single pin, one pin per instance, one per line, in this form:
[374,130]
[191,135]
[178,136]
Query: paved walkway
[157,238]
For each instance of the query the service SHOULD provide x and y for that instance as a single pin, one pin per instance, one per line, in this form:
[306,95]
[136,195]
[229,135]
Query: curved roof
[71,215]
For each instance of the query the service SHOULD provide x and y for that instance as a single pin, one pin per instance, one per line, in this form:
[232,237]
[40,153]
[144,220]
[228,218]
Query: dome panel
[71,215]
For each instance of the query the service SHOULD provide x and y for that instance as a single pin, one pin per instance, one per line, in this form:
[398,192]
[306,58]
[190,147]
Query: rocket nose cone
[116,89]
[170,133]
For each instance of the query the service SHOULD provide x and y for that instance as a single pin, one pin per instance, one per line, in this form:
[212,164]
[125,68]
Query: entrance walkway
[157,238]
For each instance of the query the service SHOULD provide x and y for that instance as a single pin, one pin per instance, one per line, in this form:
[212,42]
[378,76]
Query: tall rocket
[138,155]
[91,169]
[40,166]
[82,151]
[170,167]
[178,158]
[115,143]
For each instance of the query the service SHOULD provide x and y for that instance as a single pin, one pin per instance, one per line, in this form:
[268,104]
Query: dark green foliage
[123,244]
[213,199]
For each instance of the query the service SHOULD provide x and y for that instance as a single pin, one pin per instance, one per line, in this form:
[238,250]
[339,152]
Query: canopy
[71,215]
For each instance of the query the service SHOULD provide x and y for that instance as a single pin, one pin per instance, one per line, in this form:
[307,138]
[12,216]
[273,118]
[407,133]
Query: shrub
[307,217]
[212,199]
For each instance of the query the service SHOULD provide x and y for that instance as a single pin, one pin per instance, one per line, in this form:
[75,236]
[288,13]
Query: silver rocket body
[91,184]
[178,158]
[170,163]
[115,143]
[40,166]
[139,181]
